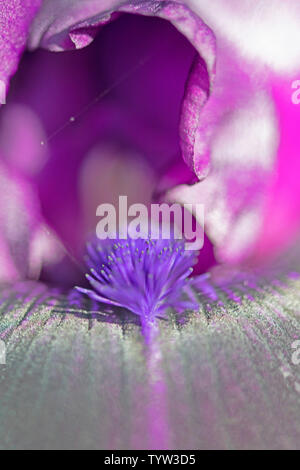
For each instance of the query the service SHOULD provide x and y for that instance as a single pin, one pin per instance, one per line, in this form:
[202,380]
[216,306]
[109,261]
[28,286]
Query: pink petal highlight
[281,221]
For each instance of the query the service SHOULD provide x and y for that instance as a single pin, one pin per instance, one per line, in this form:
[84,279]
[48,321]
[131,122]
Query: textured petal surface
[76,378]
[264,33]
[15,19]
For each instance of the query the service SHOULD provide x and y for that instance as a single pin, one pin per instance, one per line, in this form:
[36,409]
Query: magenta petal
[197,91]
[243,154]
[281,221]
[15,19]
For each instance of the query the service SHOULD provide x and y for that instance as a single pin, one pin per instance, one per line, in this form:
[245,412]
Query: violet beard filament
[146,276]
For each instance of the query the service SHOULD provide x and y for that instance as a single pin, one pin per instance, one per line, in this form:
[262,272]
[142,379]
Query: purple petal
[15,19]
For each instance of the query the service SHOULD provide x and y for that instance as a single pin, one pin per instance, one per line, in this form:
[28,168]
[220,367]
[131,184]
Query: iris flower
[185,101]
